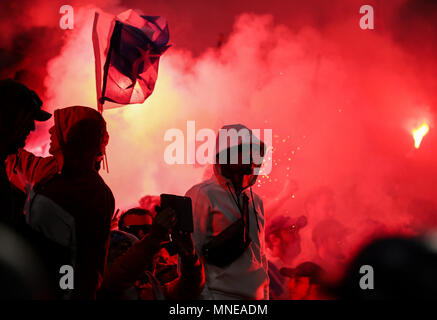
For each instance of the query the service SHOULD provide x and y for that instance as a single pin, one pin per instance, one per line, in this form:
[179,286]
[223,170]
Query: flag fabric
[131,52]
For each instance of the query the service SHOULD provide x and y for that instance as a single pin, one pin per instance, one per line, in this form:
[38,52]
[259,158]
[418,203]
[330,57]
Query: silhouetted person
[229,222]
[284,243]
[69,205]
[141,260]
[403,268]
[306,281]
[19,108]
[283,239]
[136,221]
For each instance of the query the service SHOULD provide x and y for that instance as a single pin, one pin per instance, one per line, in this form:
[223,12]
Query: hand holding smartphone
[183,208]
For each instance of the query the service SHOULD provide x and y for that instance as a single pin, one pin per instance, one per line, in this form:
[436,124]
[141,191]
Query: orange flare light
[419,133]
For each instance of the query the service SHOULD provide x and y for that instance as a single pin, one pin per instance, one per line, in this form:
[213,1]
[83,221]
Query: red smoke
[342,103]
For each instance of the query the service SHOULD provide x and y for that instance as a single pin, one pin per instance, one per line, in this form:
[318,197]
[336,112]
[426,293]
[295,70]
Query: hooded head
[238,151]
[78,137]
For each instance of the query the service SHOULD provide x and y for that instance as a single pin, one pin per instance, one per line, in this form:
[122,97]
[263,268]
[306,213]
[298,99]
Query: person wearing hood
[69,207]
[229,220]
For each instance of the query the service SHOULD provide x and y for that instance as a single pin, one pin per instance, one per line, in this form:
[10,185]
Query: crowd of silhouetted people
[60,237]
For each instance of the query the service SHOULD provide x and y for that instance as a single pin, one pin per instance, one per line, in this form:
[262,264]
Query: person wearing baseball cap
[20,107]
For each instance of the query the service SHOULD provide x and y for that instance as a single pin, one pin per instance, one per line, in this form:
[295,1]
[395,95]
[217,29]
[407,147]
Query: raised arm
[189,284]
[129,267]
[24,169]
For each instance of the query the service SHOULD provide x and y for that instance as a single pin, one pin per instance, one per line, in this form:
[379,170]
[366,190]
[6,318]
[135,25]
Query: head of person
[78,138]
[239,154]
[329,238]
[394,268]
[303,279]
[136,221]
[20,107]
[282,237]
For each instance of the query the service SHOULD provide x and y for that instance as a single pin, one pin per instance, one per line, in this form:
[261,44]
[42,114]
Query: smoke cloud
[342,103]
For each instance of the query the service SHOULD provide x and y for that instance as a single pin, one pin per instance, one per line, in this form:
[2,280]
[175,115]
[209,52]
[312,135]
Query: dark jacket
[81,193]
[7,203]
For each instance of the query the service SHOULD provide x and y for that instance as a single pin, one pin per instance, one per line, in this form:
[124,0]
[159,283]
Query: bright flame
[419,133]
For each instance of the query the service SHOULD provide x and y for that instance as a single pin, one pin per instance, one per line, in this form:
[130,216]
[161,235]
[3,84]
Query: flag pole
[98,63]
[98,69]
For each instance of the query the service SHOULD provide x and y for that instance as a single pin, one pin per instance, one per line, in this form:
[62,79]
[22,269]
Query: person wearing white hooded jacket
[218,203]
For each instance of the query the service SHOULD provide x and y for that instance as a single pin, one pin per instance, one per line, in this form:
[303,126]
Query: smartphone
[183,208]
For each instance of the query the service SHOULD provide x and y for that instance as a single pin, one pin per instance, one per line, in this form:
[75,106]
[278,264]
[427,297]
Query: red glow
[419,133]
[336,97]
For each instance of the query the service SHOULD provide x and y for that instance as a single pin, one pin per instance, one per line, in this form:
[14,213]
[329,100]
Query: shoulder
[104,189]
[202,189]
[93,188]
[209,191]
[97,181]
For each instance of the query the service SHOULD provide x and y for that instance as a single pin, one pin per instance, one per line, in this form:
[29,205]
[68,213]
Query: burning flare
[419,133]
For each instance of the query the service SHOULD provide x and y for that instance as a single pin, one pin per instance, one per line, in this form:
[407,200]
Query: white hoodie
[214,209]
